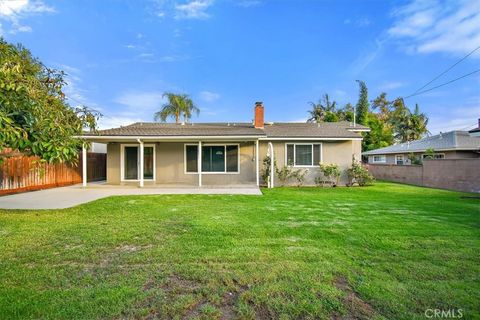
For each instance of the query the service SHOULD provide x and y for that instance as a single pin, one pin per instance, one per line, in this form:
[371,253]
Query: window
[435,156]
[215,158]
[399,159]
[381,159]
[303,154]
[191,158]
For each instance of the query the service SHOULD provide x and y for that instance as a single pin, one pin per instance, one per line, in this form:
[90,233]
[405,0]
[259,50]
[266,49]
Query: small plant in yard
[331,172]
[287,172]
[284,174]
[267,161]
[299,175]
[359,174]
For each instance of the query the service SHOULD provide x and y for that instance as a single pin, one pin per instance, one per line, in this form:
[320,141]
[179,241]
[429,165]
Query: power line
[440,85]
[450,68]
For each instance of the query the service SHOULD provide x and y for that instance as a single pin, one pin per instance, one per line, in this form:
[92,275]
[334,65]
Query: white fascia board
[166,138]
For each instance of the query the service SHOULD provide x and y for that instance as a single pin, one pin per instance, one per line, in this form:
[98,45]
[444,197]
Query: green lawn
[387,251]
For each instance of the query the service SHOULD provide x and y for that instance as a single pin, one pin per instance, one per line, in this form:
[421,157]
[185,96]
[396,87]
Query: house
[450,145]
[475,132]
[203,154]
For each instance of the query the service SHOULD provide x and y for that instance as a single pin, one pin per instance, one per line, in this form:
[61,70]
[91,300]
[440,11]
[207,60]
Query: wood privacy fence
[24,173]
[451,174]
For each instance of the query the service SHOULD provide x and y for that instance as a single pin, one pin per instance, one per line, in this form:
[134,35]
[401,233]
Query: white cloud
[195,9]
[12,11]
[73,90]
[209,96]
[107,122]
[141,102]
[438,26]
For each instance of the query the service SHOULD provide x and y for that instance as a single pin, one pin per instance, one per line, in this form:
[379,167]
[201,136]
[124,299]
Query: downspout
[141,163]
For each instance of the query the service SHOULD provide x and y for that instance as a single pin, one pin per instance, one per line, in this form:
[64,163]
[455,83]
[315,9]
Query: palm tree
[178,105]
[320,109]
[417,124]
[408,126]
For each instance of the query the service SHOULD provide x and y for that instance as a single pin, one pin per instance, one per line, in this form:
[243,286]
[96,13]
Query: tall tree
[383,106]
[177,106]
[408,126]
[34,116]
[324,110]
[362,104]
[380,135]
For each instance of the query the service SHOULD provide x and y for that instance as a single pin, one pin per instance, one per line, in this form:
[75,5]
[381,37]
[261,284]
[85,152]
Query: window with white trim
[380,159]
[399,159]
[215,158]
[303,154]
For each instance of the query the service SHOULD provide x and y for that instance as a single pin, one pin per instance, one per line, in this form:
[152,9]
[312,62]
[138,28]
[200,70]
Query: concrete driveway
[66,197]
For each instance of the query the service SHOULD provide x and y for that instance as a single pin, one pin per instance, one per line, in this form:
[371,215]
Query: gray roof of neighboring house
[453,140]
[341,129]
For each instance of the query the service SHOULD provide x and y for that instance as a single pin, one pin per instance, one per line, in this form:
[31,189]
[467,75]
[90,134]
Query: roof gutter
[154,138]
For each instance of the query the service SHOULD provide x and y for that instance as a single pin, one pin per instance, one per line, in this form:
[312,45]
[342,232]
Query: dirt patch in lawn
[175,286]
[356,307]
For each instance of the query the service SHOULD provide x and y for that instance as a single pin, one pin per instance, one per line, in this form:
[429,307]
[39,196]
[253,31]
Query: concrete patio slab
[66,197]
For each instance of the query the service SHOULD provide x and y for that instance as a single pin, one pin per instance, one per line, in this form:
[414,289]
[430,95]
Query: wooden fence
[23,173]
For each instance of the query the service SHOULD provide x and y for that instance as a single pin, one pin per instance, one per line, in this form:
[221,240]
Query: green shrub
[359,174]
[299,175]
[331,172]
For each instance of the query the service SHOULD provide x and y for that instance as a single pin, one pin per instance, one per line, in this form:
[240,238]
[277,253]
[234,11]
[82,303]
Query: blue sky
[121,56]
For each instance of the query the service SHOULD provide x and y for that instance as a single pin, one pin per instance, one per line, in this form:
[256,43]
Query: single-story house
[449,145]
[200,154]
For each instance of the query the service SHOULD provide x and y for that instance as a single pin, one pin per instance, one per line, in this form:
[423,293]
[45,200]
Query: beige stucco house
[207,154]
[449,145]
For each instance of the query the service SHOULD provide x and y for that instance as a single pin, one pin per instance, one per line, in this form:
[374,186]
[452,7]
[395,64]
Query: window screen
[290,154]
[213,159]
[317,154]
[303,155]
[232,158]
[192,158]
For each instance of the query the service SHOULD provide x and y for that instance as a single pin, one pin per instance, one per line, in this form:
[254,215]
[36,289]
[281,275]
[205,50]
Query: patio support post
[141,163]
[272,162]
[257,155]
[84,164]
[199,164]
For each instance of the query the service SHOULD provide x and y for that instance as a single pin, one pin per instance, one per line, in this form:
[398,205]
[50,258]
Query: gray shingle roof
[172,129]
[278,130]
[453,140]
[340,129]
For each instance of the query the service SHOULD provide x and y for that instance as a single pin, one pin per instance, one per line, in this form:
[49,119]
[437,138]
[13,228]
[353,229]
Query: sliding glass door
[131,162]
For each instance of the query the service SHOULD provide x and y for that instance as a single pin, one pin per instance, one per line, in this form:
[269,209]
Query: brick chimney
[258,121]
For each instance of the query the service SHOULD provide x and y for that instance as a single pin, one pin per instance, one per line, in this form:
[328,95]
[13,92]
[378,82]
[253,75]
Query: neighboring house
[475,132]
[450,145]
[223,153]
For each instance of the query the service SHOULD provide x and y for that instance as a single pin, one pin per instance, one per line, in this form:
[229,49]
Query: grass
[387,251]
